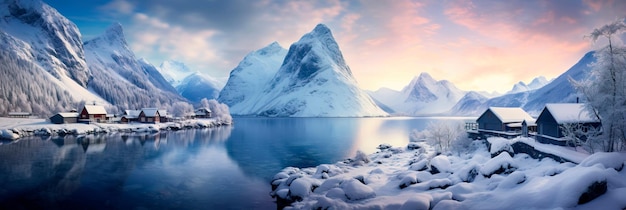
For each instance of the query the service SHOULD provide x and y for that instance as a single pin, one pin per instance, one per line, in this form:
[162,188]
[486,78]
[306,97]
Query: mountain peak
[425,76]
[270,49]
[321,29]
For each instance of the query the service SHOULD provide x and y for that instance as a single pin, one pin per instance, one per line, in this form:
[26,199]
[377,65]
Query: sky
[477,45]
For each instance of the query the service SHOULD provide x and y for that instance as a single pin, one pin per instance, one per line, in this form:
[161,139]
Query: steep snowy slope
[155,77]
[249,78]
[314,81]
[42,60]
[122,79]
[423,96]
[558,90]
[54,41]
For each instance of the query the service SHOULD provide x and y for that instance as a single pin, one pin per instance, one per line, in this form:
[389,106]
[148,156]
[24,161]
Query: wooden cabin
[164,116]
[552,118]
[19,115]
[203,113]
[92,113]
[505,121]
[130,116]
[149,115]
[64,117]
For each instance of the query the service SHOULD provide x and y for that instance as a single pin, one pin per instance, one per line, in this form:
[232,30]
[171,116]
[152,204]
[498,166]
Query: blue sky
[478,45]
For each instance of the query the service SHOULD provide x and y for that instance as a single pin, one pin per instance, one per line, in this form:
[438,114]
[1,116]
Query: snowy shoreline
[416,177]
[16,128]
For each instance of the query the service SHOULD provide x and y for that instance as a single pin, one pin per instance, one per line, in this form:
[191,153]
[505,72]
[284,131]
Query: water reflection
[218,168]
[94,171]
[262,146]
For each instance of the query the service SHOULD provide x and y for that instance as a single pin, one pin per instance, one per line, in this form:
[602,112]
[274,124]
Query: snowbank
[12,129]
[404,179]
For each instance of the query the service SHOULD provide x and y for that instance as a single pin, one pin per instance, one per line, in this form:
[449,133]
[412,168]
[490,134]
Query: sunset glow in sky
[477,45]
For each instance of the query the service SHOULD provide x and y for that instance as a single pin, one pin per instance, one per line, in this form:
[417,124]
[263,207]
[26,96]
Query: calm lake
[220,168]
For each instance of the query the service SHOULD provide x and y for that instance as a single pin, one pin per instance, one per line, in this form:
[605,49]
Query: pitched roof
[95,109]
[571,113]
[68,114]
[511,114]
[129,113]
[162,112]
[150,112]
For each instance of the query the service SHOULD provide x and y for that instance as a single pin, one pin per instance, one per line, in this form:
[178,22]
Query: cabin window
[143,119]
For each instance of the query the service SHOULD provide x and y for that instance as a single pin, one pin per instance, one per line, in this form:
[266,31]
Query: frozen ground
[14,128]
[418,178]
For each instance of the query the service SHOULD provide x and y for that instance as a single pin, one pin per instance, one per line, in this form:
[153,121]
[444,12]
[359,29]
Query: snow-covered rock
[423,96]
[313,81]
[390,184]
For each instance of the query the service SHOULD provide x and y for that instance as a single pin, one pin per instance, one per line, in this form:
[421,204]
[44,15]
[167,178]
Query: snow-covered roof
[132,113]
[150,112]
[162,112]
[512,114]
[570,113]
[68,114]
[203,110]
[18,113]
[95,109]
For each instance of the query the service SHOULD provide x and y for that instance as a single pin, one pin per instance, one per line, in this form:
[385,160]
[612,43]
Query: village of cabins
[508,122]
[97,114]
[549,127]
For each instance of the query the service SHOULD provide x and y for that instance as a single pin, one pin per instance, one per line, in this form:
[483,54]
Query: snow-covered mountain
[51,39]
[533,85]
[313,81]
[249,78]
[423,96]
[467,105]
[121,78]
[193,85]
[559,90]
[197,86]
[174,71]
[43,66]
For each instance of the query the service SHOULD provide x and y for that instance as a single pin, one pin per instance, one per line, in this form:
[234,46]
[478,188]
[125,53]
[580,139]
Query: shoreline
[17,128]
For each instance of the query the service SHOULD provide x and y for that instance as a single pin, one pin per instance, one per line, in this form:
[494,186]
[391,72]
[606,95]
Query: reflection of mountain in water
[33,172]
[262,147]
[85,172]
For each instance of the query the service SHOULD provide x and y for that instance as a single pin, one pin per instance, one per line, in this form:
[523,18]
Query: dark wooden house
[554,116]
[203,113]
[130,116]
[92,113]
[505,121]
[149,115]
[64,117]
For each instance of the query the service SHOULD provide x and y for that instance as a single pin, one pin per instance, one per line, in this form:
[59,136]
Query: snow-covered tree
[181,109]
[219,110]
[444,136]
[605,89]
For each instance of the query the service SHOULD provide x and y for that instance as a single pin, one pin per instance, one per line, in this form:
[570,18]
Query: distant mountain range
[47,68]
[426,96]
[423,96]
